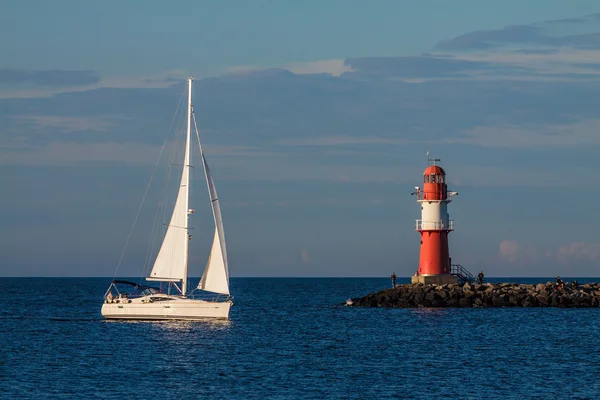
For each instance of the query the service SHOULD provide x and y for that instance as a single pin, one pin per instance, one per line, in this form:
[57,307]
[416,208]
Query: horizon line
[290,277]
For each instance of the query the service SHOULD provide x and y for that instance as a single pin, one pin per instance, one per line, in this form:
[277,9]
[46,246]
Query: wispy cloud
[69,153]
[545,34]
[555,50]
[61,152]
[37,88]
[581,133]
[53,78]
[71,124]
[343,140]
[415,66]
[514,252]
[578,251]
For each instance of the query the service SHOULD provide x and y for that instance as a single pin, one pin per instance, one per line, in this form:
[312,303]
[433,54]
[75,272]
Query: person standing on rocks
[480,277]
[393,278]
[559,283]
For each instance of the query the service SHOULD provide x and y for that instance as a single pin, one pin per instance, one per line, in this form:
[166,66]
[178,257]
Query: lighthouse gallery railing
[434,225]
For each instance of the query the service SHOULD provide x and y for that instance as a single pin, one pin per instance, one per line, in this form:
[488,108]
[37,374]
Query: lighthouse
[434,226]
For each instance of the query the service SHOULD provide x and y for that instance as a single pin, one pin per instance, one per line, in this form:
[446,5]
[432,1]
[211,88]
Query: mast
[186,164]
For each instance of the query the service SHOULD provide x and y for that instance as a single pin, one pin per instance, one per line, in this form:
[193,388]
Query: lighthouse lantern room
[434,226]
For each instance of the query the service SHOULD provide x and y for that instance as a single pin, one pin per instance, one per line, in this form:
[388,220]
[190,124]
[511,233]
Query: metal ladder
[462,274]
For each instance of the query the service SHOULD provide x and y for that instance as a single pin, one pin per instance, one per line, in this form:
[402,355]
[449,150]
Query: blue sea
[288,338]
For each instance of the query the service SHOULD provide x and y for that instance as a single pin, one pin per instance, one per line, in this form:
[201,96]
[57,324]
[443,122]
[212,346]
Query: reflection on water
[177,324]
[183,325]
[430,312]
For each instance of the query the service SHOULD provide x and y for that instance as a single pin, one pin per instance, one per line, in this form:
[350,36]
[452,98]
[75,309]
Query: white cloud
[509,250]
[332,67]
[513,252]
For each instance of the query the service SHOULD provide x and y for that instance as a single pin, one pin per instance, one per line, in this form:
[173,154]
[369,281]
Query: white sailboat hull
[175,309]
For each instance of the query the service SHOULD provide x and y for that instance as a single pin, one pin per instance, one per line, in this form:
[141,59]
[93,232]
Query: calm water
[287,339]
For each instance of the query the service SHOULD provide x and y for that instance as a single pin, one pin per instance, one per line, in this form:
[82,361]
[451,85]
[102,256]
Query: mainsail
[171,261]
[216,274]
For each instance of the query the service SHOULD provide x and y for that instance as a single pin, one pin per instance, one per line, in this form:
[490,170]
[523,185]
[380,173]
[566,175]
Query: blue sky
[316,116]
[151,36]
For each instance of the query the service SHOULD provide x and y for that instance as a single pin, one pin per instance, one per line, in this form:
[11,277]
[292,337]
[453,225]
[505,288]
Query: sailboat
[146,302]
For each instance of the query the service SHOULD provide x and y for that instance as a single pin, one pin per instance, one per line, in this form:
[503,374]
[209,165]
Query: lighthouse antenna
[429,160]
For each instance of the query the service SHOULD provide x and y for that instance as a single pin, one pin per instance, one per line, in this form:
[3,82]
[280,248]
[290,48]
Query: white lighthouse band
[434,215]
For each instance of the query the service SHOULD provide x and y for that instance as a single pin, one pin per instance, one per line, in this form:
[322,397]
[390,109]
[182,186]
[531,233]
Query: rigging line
[204,165]
[145,193]
[201,153]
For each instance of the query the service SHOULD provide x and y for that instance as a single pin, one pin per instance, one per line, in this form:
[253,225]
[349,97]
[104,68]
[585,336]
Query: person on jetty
[480,277]
[559,283]
[393,278]
[575,284]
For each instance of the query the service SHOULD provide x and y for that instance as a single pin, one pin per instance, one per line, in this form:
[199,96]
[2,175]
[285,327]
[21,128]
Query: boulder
[540,288]
[542,299]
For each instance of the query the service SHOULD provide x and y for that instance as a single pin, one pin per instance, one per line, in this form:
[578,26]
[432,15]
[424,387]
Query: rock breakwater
[482,295]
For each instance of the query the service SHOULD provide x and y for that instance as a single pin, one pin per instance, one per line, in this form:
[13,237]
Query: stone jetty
[470,295]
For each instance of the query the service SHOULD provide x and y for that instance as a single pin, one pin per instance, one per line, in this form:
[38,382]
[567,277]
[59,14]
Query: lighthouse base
[434,279]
